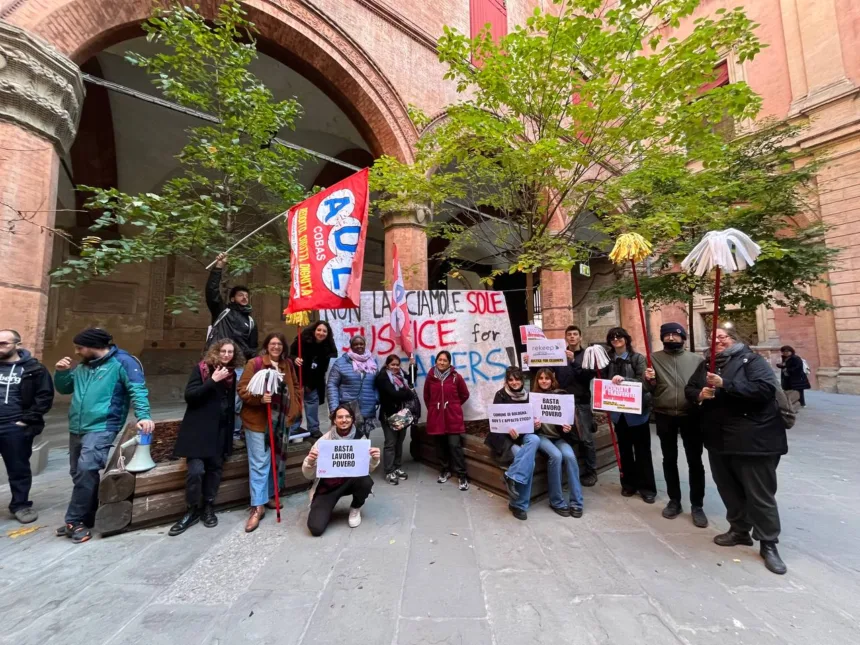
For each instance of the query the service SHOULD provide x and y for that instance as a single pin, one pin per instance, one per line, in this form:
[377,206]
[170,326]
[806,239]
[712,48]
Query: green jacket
[674,370]
[102,392]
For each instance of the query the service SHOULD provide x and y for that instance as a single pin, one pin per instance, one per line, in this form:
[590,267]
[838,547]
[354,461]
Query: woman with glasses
[632,430]
[745,436]
[206,433]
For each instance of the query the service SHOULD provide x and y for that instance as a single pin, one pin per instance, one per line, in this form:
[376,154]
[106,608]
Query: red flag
[327,233]
[400,323]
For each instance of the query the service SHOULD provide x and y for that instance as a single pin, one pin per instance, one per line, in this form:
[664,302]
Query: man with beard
[667,380]
[233,320]
[577,381]
[103,386]
[26,395]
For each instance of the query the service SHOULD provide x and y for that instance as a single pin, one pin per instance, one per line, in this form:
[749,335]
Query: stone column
[41,94]
[407,231]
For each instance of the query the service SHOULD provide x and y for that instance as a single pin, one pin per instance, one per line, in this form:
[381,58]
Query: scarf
[205,373]
[441,375]
[396,380]
[242,309]
[348,436]
[518,395]
[724,356]
[363,362]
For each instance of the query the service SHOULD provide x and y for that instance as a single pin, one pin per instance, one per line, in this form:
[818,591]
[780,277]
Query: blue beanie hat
[673,328]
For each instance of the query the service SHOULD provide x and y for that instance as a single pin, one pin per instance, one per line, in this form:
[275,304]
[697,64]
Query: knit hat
[673,328]
[94,338]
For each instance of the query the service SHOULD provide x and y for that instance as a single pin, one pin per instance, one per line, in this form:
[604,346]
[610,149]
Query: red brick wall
[799,332]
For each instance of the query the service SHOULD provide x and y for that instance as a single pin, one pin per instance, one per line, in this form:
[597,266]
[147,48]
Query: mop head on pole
[264,381]
[731,250]
[630,246]
[300,318]
[595,357]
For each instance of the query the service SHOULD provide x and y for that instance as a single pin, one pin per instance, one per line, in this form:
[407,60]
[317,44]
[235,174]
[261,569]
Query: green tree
[756,184]
[233,177]
[553,114]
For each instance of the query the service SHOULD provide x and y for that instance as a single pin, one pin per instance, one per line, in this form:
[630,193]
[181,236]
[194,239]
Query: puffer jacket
[102,390]
[744,417]
[674,369]
[444,401]
[792,375]
[346,385]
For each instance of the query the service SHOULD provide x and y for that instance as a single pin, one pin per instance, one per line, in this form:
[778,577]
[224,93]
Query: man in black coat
[576,380]
[26,395]
[232,320]
[745,437]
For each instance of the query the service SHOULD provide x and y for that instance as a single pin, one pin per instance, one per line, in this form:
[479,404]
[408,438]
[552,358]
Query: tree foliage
[232,178]
[554,114]
[756,184]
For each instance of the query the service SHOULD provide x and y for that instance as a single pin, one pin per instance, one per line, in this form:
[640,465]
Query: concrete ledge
[848,380]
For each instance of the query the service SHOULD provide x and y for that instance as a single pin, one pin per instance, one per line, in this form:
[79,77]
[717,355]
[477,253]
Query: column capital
[413,218]
[40,89]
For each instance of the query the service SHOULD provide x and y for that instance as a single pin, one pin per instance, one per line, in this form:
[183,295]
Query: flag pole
[254,232]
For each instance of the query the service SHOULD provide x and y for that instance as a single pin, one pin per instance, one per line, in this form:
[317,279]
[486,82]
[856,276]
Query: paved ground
[432,565]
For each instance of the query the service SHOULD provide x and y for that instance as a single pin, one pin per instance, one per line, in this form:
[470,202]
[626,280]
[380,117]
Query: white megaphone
[142,461]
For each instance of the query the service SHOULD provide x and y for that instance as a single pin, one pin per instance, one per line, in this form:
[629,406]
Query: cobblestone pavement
[430,564]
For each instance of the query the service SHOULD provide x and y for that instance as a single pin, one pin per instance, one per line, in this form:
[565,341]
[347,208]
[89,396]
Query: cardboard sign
[626,397]
[553,408]
[530,332]
[473,325]
[547,352]
[343,458]
[505,417]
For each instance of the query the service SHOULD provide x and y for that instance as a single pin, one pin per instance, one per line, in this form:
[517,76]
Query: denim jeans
[259,467]
[88,454]
[237,425]
[560,453]
[312,409]
[522,469]
[585,427]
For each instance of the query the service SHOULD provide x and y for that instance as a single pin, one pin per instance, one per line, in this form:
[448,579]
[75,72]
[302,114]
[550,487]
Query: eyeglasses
[5,344]
[723,337]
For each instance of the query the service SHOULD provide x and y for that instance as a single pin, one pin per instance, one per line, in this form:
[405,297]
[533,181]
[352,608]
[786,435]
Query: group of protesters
[734,411]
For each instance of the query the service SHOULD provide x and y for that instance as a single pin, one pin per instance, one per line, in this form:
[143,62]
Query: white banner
[553,408]
[548,352]
[473,325]
[343,458]
[505,417]
[626,397]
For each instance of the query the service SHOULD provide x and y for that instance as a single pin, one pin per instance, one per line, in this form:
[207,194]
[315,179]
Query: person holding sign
[672,368]
[445,392]
[514,449]
[633,431]
[745,436]
[352,381]
[556,442]
[317,349]
[325,493]
[395,392]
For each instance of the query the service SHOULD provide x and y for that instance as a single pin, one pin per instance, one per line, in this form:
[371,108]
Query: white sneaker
[354,517]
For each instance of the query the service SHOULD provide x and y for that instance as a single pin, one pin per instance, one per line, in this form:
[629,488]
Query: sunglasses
[617,337]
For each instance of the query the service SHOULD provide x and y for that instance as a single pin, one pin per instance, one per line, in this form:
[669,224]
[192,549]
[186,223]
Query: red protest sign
[327,233]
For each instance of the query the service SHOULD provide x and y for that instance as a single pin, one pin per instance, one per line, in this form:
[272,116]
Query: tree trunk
[690,329]
[530,297]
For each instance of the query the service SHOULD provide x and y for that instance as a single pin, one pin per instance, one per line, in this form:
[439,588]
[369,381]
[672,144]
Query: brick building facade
[361,62]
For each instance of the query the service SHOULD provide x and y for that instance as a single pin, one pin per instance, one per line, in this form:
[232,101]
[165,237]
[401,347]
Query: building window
[725,127]
[494,12]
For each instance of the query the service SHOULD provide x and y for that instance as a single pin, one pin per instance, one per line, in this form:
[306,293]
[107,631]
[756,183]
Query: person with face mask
[632,430]
[666,381]
[103,385]
[325,493]
[514,450]
[26,396]
[576,380]
[745,436]
[352,381]
[318,349]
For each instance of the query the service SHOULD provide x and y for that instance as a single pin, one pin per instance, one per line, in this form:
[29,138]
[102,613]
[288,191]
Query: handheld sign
[530,332]
[546,352]
[553,408]
[343,458]
[505,417]
[626,397]
[524,362]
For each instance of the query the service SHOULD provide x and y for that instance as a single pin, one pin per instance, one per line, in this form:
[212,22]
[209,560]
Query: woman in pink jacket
[445,392]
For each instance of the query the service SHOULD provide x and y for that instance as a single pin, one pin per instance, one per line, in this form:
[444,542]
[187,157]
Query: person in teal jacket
[103,386]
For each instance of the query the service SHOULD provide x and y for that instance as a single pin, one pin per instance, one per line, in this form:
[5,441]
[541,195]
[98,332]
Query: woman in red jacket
[445,392]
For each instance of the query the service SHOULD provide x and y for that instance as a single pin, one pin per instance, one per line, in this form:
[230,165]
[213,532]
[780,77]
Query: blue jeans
[237,425]
[259,467]
[88,454]
[312,409]
[522,469]
[561,453]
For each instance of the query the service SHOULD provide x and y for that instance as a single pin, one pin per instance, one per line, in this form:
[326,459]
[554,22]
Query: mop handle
[274,463]
[714,321]
[642,313]
[612,436]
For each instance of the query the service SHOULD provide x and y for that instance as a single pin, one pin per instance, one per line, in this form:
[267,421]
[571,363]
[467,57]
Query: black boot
[191,517]
[208,516]
[732,538]
[771,557]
